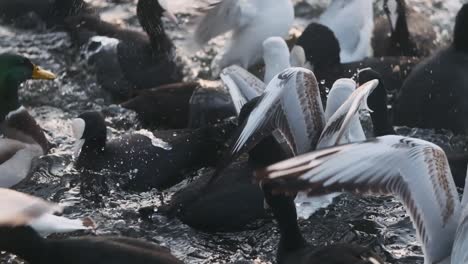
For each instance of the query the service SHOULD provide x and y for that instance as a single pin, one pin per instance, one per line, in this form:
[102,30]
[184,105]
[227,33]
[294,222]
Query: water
[379,222]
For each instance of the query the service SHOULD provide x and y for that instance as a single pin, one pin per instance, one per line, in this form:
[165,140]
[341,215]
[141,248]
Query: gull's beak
[171,17]
[40,73]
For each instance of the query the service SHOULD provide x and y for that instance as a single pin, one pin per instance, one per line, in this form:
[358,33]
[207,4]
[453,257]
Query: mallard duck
[23,139]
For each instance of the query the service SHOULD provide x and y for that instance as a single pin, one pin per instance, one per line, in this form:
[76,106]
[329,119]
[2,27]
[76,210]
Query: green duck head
[14,70]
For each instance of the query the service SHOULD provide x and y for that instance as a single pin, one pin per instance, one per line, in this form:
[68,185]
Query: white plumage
[250,22]
[413,170]
[352,21]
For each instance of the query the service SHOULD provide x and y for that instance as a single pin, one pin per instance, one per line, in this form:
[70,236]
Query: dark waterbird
[128,60]
[322,52]
[405,32]
[136,158]
[182,105]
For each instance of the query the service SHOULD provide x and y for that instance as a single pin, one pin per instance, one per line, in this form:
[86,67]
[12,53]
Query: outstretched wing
[222,17]
[242,85]
[290,108]
[414,170]
[340,122]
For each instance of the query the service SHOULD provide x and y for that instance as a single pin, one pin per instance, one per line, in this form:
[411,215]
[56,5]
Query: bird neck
[23,242]
[377,101]
[93,147]
[401,35]
[8,96]
[152,25]
[285,214]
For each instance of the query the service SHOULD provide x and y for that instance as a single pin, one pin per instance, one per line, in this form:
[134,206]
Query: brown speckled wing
[415,171]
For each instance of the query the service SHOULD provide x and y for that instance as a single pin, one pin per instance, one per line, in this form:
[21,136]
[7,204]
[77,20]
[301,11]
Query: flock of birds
[299,124]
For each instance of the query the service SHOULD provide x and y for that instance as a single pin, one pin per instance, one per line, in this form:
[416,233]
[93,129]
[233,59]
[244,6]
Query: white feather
[352,21]
[251,22]
[48,224]
[275,56]
[414,170]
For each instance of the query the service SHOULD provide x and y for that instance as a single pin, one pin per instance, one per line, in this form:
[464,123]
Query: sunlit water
[380,223]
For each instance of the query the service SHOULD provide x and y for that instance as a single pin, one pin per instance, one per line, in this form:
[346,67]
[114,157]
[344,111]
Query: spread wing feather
[222,17]
[413,170]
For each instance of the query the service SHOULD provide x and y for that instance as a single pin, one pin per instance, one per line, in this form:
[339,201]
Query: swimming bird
[18,238]
[405,33]
[352,22]
[414,170]
[144,161]
[204,103]
[127,60]
[322,51]
[250,23]
[434,94]
[23,139]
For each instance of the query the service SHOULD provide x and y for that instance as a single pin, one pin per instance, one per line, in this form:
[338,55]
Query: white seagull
[250,22]
[414,170]
[352,21]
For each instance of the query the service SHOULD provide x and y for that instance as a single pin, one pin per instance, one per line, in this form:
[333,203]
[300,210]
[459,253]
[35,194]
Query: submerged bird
[322,52]
[19,210]
[434,95]
[414,170]
[144,161]
[128,60]
[23,139]
[352,22]
[251,22]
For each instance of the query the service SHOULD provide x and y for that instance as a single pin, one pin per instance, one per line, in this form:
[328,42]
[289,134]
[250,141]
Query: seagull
[352,21]
[243,86]
[414,170]
[250,22]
